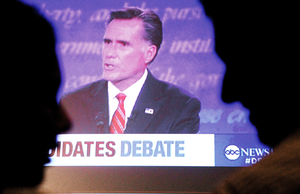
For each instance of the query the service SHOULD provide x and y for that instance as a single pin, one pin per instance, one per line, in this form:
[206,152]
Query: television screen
[91,162]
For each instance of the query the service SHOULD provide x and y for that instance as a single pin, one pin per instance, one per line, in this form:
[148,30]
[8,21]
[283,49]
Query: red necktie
[117,125]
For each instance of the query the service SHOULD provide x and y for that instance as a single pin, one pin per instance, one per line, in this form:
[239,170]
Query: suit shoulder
[175,91]
[87,90]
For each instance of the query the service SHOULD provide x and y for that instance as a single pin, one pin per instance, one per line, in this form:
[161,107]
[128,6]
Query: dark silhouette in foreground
[259,44]
[31,117]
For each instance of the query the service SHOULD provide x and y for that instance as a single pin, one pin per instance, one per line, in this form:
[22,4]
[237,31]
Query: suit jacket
[174,110]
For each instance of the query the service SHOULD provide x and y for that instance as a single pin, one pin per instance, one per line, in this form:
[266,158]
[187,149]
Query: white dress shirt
[131,95]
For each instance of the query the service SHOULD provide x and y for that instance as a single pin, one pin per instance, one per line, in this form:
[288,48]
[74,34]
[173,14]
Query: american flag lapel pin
[149,111]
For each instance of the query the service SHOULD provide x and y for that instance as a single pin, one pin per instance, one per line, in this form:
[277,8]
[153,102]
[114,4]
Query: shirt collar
[131,92]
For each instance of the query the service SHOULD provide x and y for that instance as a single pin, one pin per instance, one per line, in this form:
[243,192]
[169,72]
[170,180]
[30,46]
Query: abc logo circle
[232,152]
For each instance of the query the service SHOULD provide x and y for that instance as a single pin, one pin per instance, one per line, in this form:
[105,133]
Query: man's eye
[106,41]
[124,43]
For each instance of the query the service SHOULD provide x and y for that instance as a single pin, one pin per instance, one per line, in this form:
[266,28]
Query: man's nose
[111,50]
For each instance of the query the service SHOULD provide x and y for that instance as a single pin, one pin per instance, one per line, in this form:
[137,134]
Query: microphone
[100,118]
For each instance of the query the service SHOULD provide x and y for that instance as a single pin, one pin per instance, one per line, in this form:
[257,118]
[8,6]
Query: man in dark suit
[130,99]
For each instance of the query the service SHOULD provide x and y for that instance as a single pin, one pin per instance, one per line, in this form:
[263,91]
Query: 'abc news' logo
[232,152]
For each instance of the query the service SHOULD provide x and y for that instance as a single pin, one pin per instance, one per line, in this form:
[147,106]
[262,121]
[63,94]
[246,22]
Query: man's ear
[150,53]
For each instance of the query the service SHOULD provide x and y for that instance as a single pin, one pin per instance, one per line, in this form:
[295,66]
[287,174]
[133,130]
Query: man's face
[37,119]
[246,76]
[123,52]
[254,75]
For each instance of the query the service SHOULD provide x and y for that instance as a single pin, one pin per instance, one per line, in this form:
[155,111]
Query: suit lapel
[146,106]
[99,104]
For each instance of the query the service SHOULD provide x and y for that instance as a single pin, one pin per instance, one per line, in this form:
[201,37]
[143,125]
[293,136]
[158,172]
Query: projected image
[129,99]
[143,87]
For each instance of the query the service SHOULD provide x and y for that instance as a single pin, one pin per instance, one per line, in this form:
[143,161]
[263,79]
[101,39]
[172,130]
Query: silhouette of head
[259,44]
[30,81]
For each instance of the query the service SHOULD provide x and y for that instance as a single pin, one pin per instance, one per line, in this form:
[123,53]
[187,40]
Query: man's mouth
[108,66]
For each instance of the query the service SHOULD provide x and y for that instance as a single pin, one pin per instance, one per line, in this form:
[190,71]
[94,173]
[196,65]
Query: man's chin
[24,180]
[24,176]
[110,76]
[270,131]
[35,181]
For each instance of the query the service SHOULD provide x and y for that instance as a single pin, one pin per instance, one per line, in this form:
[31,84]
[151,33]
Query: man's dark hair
[152,24]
